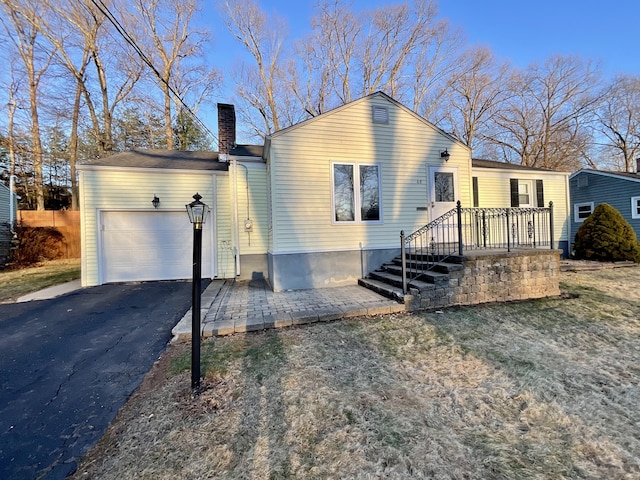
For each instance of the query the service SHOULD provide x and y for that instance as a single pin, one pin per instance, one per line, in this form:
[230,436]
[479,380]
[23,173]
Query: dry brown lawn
[546,389]
[18,282]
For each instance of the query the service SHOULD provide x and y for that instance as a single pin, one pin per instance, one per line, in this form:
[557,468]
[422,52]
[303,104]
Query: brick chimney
[226,128]
[638,165]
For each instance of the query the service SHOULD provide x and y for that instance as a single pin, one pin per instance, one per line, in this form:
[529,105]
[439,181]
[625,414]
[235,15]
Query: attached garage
[128,238]
[150,245]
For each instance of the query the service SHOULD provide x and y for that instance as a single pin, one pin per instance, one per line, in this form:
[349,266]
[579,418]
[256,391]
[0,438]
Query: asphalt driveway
[67,365]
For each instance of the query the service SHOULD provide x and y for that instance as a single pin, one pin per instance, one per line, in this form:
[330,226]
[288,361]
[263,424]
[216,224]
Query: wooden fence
[67,222]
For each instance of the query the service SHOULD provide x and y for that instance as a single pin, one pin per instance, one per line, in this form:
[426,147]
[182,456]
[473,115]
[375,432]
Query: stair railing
[467,229]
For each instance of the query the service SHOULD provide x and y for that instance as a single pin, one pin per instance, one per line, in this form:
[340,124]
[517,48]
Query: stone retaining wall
[494,277]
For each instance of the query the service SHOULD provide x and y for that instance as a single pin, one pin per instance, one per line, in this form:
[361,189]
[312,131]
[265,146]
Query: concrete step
[442,267]
[387,277]
[383,288]
[425,276]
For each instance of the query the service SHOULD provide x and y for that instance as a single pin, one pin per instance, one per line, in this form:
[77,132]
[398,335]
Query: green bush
[37,244]
[606,236]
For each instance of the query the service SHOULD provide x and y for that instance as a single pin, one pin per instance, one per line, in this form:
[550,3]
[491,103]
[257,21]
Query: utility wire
[131,41]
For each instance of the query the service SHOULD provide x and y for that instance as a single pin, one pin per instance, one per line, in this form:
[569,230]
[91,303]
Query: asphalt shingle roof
[478,163]
[167,159]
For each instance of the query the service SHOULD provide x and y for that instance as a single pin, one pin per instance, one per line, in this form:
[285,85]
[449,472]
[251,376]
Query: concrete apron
[229,307]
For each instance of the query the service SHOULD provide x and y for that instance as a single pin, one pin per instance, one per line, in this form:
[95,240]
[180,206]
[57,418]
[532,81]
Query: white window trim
[576,210]
[635,202]
[356,190]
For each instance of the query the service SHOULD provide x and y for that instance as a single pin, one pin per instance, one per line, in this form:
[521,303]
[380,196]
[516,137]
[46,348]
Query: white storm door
[443,189]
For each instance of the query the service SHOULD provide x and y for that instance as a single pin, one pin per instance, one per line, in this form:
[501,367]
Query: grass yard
[546,389]
[15,283]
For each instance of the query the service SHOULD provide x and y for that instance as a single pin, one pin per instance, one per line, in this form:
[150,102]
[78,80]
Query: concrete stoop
[484,277]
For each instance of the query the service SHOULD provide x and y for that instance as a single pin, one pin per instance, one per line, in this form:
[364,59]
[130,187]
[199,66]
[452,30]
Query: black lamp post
[197,216]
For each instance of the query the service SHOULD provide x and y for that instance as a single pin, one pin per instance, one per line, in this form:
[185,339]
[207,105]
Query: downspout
[236,229]
[247,222]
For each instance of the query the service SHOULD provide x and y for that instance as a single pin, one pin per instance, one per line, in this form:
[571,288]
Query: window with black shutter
[515,193]
[540,193]
[476,197]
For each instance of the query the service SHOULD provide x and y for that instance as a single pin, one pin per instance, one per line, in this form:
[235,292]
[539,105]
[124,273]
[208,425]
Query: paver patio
[241,306]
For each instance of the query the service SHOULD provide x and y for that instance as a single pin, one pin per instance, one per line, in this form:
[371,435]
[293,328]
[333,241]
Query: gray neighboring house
[589,188]
[6,214]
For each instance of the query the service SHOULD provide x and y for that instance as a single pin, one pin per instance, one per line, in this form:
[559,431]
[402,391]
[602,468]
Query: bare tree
[619,122]
[544,123]
[18,20]
[328,58]
[168,38]
[347,55]
[400,37]
[475,96]
[434,70]
[259,84]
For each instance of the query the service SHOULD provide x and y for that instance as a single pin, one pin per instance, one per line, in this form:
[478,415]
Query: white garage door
[151,245]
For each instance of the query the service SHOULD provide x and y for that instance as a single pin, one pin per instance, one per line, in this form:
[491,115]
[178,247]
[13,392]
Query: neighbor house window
[356,192]
[635,207]
[581,211]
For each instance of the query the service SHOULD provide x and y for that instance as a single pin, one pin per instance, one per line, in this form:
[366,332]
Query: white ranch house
[320,204]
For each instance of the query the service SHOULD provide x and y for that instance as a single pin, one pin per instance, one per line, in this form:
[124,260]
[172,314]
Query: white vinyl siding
[494,192]
[635,207]
[109,189]
[581,211]
[252,205]
[301,161]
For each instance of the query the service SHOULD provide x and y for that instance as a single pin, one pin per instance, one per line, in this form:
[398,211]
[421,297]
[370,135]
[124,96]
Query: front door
[443,190]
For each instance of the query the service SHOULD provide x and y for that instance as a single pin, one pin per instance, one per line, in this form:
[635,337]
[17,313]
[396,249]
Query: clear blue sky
[520,31]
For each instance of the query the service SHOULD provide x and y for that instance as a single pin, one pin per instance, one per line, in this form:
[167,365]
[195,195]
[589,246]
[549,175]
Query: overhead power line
[132,43]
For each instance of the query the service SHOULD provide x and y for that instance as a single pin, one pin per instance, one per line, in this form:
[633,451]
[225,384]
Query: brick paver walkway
[231,307]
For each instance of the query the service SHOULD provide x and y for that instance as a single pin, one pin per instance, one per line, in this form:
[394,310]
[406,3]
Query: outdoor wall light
[155,201]
[445,155]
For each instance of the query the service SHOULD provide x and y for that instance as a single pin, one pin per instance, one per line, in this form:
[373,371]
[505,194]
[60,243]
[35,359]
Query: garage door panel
[154,245]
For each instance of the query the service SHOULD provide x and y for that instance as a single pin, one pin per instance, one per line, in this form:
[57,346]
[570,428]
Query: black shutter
[515,194]
[540,193]
[476,200]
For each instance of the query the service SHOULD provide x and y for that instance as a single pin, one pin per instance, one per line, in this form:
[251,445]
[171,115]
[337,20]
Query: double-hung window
[356,192]
[581,211]
[635,207]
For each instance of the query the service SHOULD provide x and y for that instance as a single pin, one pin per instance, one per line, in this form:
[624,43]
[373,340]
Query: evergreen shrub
[606,236]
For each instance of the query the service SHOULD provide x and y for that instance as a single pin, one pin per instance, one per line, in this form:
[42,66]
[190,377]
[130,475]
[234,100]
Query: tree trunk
[36,143]
[73,146]
[168,130]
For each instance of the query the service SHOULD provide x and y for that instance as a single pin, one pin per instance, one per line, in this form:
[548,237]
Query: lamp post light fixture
[197,212]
